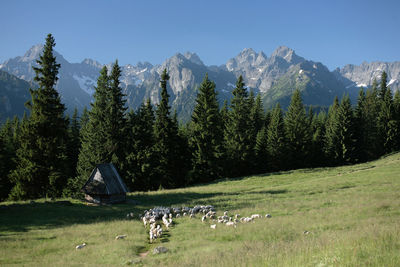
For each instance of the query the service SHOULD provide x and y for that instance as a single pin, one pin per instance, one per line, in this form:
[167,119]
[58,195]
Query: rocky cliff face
[364,74]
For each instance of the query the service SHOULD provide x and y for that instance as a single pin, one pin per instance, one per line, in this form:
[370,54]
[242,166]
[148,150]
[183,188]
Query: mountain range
[274,77]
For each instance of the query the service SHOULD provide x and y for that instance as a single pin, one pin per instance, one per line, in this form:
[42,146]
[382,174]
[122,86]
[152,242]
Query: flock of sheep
[165,214]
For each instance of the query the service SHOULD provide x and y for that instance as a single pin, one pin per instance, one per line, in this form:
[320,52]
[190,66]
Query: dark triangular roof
[105,180]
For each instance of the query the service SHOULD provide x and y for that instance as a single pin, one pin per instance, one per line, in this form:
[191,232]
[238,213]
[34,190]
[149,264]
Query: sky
[333,32]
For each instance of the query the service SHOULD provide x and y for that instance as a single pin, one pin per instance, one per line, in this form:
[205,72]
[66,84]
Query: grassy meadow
[352,214]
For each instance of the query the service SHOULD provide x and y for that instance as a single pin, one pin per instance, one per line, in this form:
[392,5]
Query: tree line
[49,154]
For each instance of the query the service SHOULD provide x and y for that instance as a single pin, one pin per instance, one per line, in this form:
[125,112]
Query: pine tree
[276,144]
[331,147]
[396,105]
[261,151]
[141,158]
[387,126]
[84,118]
[359,126]
[346,131]
[7,157]
[42,160]
[115,119]
[238,133]
[74,143]
[318,123]
[94,136]
[166,141]
[207,134]
[298,133]
[383,86]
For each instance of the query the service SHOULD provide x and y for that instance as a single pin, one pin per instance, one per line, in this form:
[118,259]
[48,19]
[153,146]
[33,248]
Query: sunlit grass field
[352,214]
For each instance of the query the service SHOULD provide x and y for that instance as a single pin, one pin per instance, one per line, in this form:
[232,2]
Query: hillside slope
[344,216]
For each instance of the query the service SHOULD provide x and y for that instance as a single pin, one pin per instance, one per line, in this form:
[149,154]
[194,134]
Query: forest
[50,154]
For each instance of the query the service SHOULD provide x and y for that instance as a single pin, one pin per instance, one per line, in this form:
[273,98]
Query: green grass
[351,212]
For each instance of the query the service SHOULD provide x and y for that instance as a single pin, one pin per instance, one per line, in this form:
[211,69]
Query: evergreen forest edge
[49,154]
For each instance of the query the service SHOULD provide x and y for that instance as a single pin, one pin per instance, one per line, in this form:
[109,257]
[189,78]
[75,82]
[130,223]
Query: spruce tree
[387,126]
[42,158]
[331,147]
[359,126]
[74,143]
[346,132]
[238,132]
[276,145]
[207,134]
[141,157]
[94,136]
[261,151]
[9,145]
[166,141]
[298,133]
[317,158]
[396,105]
[115,119]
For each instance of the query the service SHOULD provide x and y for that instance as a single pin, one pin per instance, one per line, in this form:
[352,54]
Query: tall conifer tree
[141,158]
[346,132]
[238,133]
[166,141]
[207,134]
[277,146]
[298,133]
[331,148]
[94,135]
[42,164]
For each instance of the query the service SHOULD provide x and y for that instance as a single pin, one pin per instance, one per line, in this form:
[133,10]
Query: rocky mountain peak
[287,54]
[193,57]
[33,53]
[92,62]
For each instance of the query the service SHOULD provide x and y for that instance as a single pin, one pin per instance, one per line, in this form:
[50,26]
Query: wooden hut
[105,185]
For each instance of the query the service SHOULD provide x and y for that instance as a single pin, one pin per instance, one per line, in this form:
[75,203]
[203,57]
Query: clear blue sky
[329,31]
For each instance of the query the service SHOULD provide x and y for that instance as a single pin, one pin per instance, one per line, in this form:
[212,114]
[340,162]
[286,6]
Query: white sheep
[203,218]
[254,216]
[145,222]
[120,237]
[268,216]
[231,224]
[80,246]
[213,226]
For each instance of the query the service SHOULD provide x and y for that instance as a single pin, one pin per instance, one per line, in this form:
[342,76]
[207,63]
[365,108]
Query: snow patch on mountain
[361,85]
[85,83]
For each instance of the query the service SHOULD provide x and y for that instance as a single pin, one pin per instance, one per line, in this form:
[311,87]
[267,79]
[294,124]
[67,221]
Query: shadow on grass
[20,217]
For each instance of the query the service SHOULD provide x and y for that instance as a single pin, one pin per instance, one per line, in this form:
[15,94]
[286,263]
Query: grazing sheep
[145,221]
[120,237]
[246,219]
[184,214]
[268,216]
[237,216]
[226,213]
[80,246]
[191,215]
[213,226]
[254,216]
[231,224]
[203,219]
[178,215]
